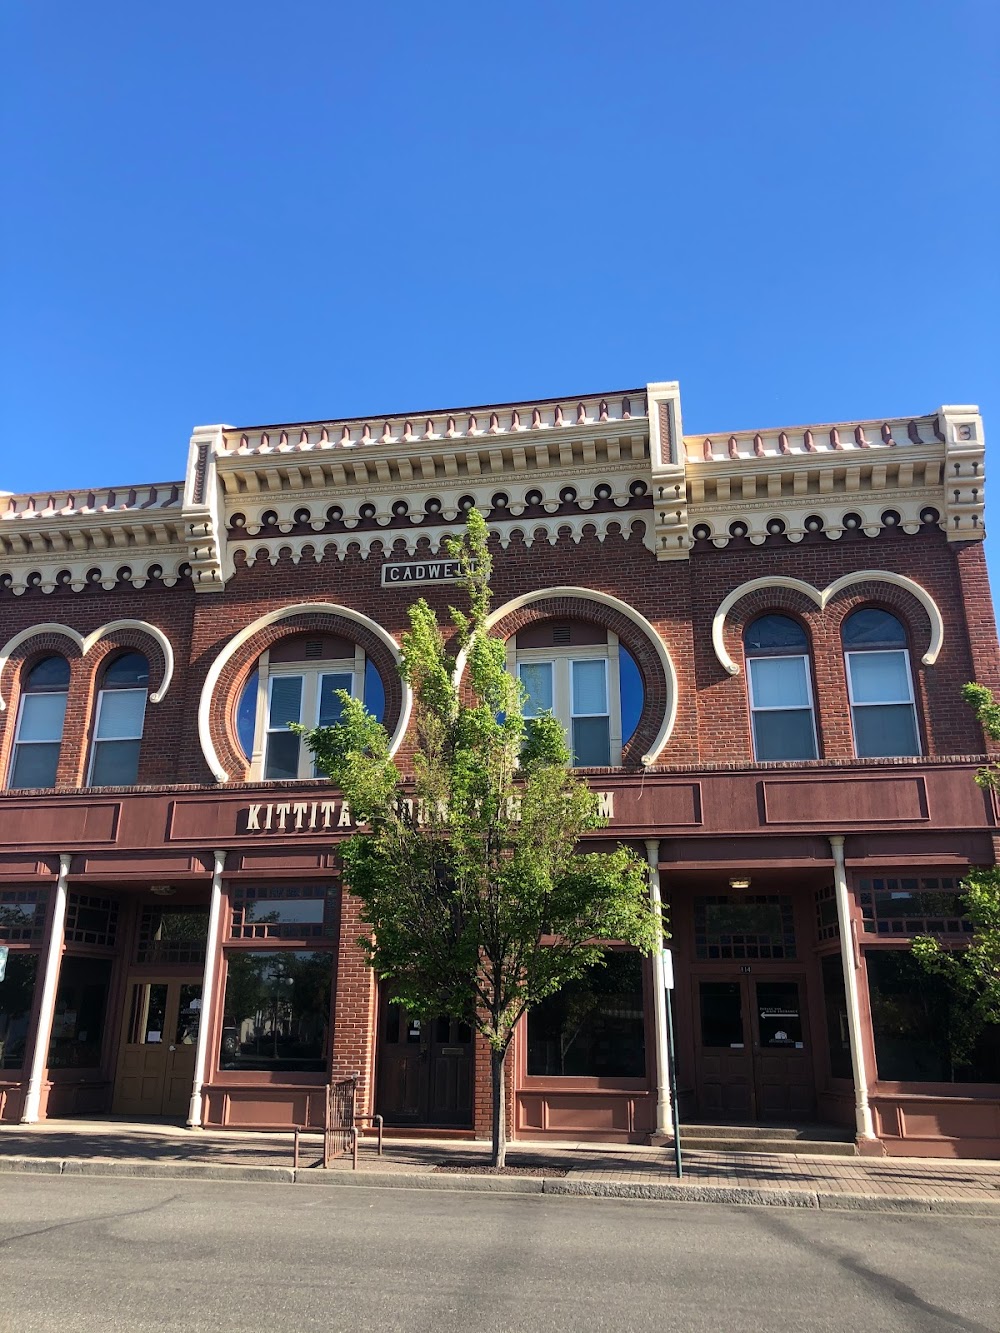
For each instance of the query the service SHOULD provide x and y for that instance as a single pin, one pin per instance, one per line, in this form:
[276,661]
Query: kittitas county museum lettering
[310,816]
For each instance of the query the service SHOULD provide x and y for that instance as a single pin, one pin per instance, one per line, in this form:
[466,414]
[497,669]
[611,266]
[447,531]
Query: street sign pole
[668,982]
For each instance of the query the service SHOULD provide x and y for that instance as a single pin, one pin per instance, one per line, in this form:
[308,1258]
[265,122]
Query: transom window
[22,914]
[40,720]
[880,685]
[911,905]
[121,710]
[780,688]
[283,911]
[751,926]
[581,674]
[298,681]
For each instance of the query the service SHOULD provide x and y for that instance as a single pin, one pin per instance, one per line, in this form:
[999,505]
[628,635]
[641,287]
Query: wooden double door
[752,1054]
[424,1070]
[156,1057]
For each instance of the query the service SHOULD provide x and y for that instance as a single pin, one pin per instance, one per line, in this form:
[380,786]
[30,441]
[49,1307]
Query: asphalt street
[100,1254]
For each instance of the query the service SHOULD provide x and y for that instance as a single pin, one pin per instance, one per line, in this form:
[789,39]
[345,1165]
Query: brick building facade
[756,642]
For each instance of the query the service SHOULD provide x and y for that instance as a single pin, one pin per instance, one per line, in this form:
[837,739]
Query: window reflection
[277,1011]
[17,991]
[593,1027]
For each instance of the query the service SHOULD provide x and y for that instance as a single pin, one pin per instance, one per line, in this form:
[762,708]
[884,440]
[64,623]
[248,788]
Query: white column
[664,1111]
[862,1109]
[46,1009]
[201,1055]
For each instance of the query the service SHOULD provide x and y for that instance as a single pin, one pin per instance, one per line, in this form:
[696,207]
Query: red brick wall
[679,598]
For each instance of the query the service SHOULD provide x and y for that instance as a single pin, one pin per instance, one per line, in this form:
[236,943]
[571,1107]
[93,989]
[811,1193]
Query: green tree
[973,973]
[471,873]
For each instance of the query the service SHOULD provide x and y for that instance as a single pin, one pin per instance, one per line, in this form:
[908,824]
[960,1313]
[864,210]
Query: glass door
[157,1053]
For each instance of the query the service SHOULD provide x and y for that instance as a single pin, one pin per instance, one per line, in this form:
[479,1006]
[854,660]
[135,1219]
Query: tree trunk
[498,1060]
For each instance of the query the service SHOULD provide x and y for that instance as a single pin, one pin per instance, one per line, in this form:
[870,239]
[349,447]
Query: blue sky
[249,213]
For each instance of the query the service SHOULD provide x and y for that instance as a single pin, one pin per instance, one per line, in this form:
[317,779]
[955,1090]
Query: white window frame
[311,671]
[563,703]
[883,703]
[97,739]
[33,694]
[779,708]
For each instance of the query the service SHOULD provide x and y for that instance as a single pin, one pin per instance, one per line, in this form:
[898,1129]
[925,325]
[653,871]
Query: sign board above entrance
[420,571]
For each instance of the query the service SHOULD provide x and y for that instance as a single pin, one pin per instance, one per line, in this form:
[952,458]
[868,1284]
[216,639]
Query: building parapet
[616,463]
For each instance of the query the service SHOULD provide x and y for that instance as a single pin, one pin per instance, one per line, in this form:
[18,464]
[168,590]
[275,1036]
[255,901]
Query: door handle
[171,1048]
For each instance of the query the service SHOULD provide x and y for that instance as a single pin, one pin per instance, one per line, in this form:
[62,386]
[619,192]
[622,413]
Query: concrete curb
[667,1191]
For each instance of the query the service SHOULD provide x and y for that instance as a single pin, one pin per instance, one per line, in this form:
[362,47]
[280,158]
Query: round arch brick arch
[234,664]
[634,633]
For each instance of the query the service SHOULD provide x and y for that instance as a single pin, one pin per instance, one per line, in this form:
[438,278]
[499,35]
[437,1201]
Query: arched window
[297,681]
[121,708]
[880,685]
[780,688]
[580,673]
[40,724]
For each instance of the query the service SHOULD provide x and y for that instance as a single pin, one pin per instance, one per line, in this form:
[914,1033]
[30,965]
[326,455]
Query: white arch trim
[272,618]
[86,643]
[641,623]
[822,600]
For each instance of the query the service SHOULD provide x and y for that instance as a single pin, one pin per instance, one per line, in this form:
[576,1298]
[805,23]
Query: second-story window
[780,689]
[298,681]
[121,710]
[880,685]
[580,673]
[40,724]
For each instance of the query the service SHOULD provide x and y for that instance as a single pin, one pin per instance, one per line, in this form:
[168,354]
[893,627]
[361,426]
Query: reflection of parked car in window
[230,1047]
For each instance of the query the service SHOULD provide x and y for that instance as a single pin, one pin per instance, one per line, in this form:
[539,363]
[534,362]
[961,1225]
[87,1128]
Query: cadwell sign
[274,817]
[421,571]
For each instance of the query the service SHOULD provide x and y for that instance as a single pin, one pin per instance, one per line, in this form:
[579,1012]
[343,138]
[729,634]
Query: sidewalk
[609,1170]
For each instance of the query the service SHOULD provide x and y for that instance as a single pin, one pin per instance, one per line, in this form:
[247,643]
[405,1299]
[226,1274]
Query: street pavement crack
[81,1221]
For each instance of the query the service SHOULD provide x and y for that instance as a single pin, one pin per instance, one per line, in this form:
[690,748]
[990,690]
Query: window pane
[130,669]
[246,714]
[873,627]
[837,1032]
[277,1011]
[721,1014]
[42,717]
[81,1005]
[771,633]
[121,714]
[632,693]
[282,759]
[779,682]
[536,677]
[116,764]
[148,1011]
[172,935]
[888,732]
[188,1014]
[590,687]
[781,735]
[286,700]
[35,766]
[779,1015]
[330,707]
[16,993]
[374,691]
[879,678]
[916,1016]
[593,1027]
[50,673]
[591,742]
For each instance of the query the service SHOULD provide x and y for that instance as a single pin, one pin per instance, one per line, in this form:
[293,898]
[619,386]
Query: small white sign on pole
[4,951]
[668,969]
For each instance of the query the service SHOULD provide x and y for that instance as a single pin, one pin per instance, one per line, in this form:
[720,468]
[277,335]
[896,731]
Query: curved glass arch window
[121,711]
[40,719]
[779,684]
[880,685]
[584,676]
[301,689]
